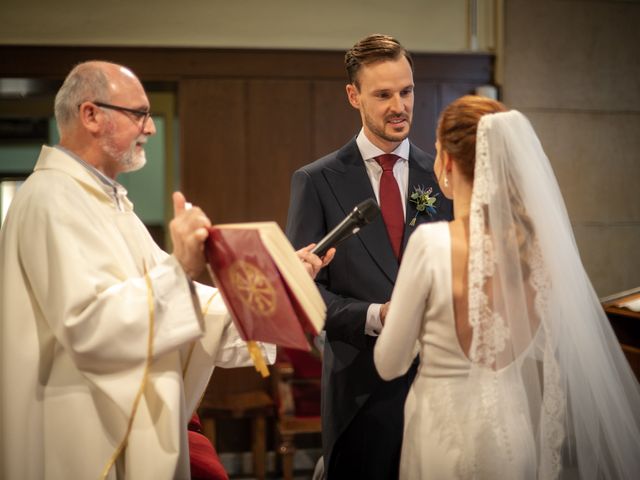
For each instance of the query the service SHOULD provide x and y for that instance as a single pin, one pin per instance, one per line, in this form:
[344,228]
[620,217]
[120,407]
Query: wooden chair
[227,399]
[296,390]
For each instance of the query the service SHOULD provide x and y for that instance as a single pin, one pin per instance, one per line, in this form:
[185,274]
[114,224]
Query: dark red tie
[391,202]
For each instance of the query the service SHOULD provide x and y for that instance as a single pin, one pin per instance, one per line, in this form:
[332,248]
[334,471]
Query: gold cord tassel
[258,359]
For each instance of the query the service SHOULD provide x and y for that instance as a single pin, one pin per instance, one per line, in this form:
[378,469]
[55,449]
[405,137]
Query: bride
[521,376]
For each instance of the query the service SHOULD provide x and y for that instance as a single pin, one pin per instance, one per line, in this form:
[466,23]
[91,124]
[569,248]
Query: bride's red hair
[457,128]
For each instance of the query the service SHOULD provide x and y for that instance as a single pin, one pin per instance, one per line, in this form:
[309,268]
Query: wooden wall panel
[449,91]
[335,121]
[425,116]
[173,64]
[237,107]
[277,141]
[213,146]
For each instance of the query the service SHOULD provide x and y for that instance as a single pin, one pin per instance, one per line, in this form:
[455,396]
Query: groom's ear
[353,94]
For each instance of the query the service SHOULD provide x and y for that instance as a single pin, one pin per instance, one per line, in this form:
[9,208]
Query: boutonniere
[425,203]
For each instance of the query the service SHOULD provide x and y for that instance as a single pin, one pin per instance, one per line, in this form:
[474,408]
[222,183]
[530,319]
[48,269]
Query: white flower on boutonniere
[425,203]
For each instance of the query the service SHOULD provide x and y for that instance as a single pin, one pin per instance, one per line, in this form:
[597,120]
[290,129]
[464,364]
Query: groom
[362,415]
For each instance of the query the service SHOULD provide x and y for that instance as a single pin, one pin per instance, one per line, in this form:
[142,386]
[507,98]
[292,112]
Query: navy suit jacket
[363,271]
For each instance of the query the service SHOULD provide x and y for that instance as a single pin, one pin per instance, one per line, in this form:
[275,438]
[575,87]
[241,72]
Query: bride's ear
[447,161]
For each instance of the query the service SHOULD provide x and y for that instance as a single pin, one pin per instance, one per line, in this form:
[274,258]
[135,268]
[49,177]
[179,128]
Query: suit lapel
[350,185]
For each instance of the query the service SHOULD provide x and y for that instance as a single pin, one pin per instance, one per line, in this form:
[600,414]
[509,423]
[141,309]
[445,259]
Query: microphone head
[366,211]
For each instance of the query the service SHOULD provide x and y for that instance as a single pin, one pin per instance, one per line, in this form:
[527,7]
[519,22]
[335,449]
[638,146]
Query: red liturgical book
[267,290]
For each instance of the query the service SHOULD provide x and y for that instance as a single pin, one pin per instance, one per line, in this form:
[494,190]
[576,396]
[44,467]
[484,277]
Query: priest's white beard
[130,160]
[134,160]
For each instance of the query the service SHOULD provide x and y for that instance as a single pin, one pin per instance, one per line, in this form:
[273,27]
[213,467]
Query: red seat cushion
[205,463]
[305,364]
[306,399]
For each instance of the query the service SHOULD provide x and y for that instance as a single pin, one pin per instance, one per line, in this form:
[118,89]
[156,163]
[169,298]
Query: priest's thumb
[179,203]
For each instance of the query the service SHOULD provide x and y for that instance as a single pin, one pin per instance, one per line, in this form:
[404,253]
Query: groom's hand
[384,309]
[312,263]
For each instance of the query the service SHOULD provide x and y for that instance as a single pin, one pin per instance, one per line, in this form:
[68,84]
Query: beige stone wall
[574,68]
[421,25]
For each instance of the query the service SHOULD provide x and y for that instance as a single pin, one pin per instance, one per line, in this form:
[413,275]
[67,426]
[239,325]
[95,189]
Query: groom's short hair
[373,48]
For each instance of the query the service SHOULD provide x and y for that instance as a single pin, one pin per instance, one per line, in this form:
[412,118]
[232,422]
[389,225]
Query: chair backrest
[298,375]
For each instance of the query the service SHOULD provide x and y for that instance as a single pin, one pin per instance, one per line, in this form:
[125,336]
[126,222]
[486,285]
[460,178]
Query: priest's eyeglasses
[140,115]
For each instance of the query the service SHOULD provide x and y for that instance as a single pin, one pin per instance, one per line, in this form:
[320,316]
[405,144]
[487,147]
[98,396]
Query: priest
[106,343]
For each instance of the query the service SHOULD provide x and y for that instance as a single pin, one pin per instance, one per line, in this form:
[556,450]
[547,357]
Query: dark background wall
[249,118]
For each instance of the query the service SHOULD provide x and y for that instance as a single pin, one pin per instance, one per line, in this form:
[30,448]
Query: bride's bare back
[459,232]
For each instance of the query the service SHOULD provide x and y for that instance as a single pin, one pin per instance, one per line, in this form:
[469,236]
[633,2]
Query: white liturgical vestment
[77,325]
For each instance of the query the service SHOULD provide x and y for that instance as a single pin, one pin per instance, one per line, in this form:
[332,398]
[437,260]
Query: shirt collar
[369,151]
[113,188]
[101,176]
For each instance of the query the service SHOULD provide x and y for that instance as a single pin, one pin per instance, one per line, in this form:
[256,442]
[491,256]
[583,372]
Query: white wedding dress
[434,435]
[545,391]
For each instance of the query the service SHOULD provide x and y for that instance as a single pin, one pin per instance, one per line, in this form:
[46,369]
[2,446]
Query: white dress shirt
[369,151]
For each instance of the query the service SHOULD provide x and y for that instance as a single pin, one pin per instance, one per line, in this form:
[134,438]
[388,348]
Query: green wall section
[145,187]
[18,159]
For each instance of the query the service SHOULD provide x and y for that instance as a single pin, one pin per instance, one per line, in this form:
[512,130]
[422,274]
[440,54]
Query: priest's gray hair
[86,82]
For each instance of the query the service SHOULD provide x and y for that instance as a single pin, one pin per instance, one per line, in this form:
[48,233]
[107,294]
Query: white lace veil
[543,354]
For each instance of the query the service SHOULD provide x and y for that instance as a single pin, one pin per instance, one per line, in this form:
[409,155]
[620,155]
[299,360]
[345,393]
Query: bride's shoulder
[433,229]
[434,233]
[428,242]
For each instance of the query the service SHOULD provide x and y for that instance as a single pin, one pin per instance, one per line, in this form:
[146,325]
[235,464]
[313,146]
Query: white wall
[421,25]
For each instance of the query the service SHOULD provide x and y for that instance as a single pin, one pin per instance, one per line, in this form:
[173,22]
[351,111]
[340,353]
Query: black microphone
[361,215]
